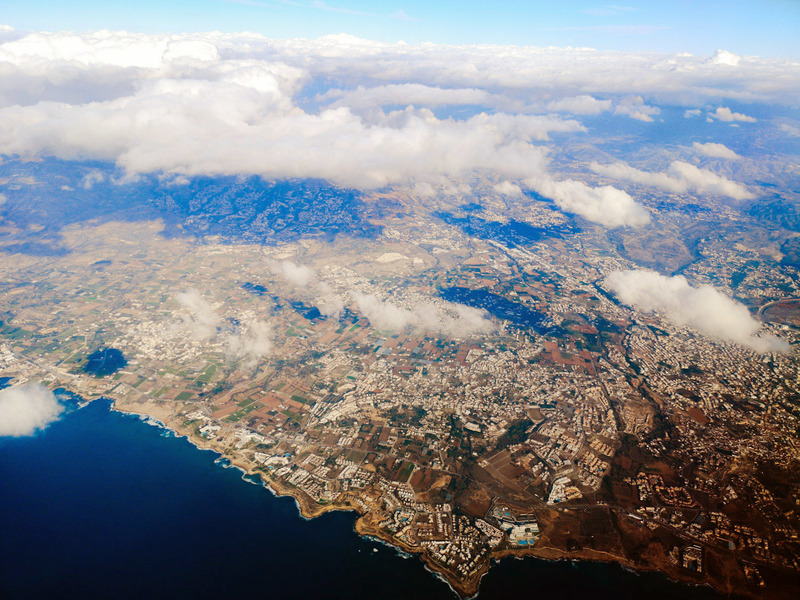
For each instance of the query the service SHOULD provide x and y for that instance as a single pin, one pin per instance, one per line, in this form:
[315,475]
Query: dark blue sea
[101,505]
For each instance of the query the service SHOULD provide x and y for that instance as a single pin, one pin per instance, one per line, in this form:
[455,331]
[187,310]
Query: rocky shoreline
[367,522]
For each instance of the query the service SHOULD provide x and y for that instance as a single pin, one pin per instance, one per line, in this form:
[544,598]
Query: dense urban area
[464,379]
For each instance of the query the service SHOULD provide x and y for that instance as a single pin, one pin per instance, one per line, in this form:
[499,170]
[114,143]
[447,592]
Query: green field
[405,472]
[239,414]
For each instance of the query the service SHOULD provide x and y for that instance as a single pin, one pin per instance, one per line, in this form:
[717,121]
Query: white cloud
[789,129]
[680,178]
[299,275]
[723,57]
[605,205]
[506,188]
[716,150]
[704,308]
[383,315]
[450,318]
[8,33]
[705,181]
[304,277]
[253,343]
[202,319]
[26,409]
[580,105]
[251,339]
[328,303]
[403,94]
[91,178]
[725,114]
[635,108]
[692,112]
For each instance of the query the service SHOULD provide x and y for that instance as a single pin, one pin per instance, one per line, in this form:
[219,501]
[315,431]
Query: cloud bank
[26,409]
[241,104]
[681,177]
[53,64]
[704,308]
[404,94]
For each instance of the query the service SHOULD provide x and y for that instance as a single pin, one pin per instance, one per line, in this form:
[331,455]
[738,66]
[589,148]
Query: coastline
[157,415]
[366,524]
[162,418]
[462,588]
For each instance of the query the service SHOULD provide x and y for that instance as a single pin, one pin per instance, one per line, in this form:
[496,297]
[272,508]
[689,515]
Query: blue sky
[764,27]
